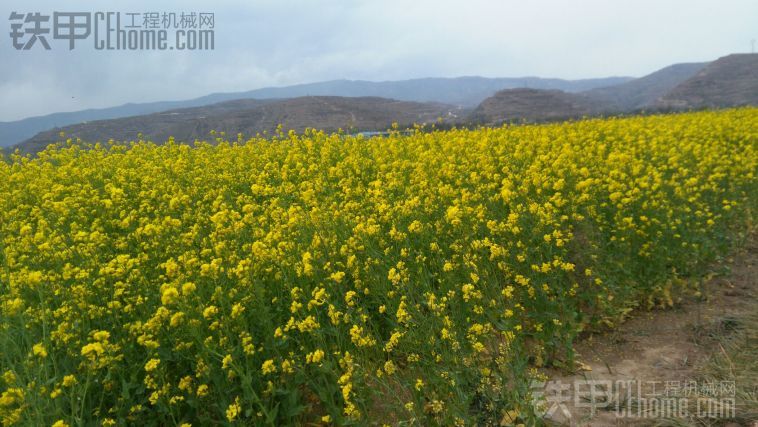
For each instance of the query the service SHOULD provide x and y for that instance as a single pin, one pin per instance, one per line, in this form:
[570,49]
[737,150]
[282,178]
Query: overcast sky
[262,43]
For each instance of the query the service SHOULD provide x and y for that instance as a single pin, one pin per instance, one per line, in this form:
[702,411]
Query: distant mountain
[463,91]
[251,117]
[17,131]
[729,81]
[645,91]
[533,105]
[362,105]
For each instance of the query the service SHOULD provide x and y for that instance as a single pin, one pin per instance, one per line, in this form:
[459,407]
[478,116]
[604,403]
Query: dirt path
[658,355]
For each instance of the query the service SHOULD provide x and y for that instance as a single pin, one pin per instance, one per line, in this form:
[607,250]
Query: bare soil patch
[673,351]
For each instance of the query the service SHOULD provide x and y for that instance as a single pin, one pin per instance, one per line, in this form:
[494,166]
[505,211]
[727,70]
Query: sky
[260,43]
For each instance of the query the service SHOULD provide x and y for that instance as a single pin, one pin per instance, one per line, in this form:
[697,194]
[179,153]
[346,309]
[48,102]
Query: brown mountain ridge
[727,82]
[251,117]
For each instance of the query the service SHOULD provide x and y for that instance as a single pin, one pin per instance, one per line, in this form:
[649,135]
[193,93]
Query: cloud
[279,42]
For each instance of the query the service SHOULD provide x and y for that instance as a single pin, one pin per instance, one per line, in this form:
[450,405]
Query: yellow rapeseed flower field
[330,279]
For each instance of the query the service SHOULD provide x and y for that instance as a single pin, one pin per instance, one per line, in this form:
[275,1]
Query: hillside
[254,116]
[729,81]
[645,91]
[532,105]
[462,91]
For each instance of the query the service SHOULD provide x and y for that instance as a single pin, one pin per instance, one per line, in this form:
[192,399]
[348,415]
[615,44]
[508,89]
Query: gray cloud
[280,42]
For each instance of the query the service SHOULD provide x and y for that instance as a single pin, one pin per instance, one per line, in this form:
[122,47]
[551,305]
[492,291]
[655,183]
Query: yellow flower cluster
[326,278]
